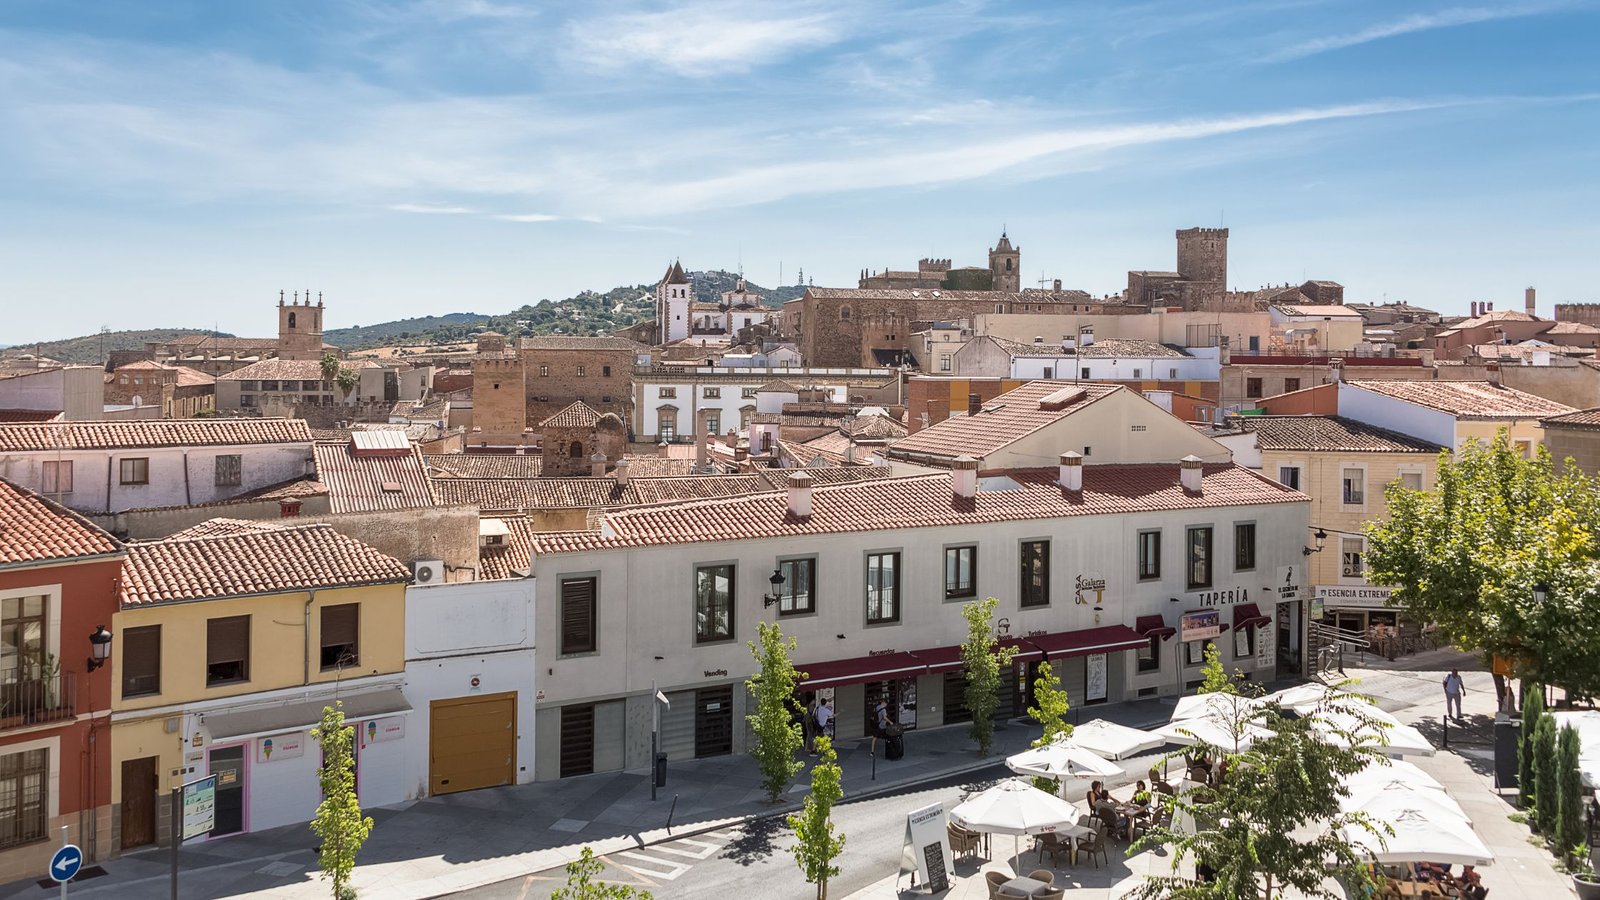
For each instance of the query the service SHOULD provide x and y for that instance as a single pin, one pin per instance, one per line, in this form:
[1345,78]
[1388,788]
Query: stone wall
[1581,445]
[499,399]
[1582,313]
[555,378]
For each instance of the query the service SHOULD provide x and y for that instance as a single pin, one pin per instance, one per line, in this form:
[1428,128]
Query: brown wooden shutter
[340,624]
[141,660]
[577,616]
[227,639]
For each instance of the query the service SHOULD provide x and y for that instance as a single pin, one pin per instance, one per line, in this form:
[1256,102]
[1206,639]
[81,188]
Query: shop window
[713,603]
[1244,546]
[1150,655]
[1149,555]
[883,588]
[341,629]
[134,471]
[227,650]
[578,615]
[1244,643]
[960,572]
[1196,651]
[796,597]
[1035,589]
[141,661]
[1199,557]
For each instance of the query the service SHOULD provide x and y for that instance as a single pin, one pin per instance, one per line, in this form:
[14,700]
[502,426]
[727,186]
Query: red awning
[1245,615]
[1154,626]
[883,667]
[1028,648]
[940,659]
[1105,639]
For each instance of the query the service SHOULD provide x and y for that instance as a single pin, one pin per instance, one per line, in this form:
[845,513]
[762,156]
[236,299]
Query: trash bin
[661,770]
[1507,739]
[897,746]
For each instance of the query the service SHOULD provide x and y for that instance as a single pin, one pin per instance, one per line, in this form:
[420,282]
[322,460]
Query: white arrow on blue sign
[66,863]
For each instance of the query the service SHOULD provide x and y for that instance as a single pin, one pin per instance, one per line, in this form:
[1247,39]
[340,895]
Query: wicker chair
[963,843]
[1044,875]
[1053,844]
[995,880]
[1095,844]
[1054,893]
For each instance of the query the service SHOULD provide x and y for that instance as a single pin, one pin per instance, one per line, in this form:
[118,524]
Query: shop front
[1359,609]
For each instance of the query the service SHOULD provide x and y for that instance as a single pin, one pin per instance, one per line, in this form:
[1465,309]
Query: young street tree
[1570,830]
[777,736]
[1249,829]
[1216,676]
[983,662]
[1475,555]
[1527,768]
[1547,789]
[338,822]
[581,883]
[817,842]
[1050,712]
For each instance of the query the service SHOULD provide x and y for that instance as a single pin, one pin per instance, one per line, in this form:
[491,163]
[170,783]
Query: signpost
[65,863]
[195,806]
[926,853]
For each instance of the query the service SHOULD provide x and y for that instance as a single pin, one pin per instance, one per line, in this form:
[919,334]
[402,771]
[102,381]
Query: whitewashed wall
[96,474]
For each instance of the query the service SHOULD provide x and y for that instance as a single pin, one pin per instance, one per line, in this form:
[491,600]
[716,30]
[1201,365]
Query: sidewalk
[445,844]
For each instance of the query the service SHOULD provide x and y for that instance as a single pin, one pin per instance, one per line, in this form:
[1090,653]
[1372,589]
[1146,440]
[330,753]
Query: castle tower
[1005,265]
[299,328]
[673,296]
[1203,258]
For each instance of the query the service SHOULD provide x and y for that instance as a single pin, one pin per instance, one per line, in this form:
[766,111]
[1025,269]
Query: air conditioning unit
[1352,571]
[428,571]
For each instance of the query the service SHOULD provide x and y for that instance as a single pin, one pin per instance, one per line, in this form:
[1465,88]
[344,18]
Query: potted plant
[1587,885]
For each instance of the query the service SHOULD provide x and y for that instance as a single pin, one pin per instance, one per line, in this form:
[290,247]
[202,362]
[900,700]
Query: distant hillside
[357,336]
[91,348]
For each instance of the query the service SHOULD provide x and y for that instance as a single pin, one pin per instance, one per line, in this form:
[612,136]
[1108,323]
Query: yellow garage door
[472,743]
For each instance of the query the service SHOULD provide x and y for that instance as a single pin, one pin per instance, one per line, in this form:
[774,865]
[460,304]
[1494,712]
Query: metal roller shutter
[677,725]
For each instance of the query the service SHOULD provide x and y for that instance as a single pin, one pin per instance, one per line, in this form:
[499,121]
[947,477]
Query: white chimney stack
[800,495]
[964,477]
[1336,369]
[662,450]
[1528,296]
[1493,370]
[621,472]
[1190,472]
[1072,471]
[597,466]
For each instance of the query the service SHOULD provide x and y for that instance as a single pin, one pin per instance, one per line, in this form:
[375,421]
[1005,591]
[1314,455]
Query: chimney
[964,477]
[1527,296]
[1189,473]
[1493,370]
[1472,310]
[850,454]
[702,451]
[974,404]
[1038,341]
[800,495]
[597,465]
[1086,335]
[741,452]
[288,508]
[1058,285]
[1336,368]
[621,472]
[662,450]
[1488,306]
[1072,471]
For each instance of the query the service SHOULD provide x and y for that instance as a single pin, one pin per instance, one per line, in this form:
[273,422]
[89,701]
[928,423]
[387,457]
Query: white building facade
[671,402]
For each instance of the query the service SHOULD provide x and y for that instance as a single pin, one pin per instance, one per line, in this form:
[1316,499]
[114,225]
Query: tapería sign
[1222,598]
[1086,585]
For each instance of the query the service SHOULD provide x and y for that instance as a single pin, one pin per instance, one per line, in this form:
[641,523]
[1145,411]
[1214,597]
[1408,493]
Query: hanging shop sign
[1199,625]
[1289,587]
[1354,596]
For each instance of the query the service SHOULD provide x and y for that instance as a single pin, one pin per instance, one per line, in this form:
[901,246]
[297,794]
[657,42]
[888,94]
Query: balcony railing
[33,701]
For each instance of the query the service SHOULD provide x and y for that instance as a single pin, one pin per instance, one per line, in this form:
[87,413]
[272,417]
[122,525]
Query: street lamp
[1321,538]
[99,648]
[1541,591]
[776,581]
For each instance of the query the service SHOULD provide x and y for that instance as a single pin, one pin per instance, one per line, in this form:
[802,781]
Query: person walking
[1453,688]
[824,716]
[808,726]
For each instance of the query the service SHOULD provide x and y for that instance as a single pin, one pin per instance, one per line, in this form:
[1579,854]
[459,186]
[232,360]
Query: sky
[177,164]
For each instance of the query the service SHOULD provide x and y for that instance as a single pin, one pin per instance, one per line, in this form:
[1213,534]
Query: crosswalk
[669,861]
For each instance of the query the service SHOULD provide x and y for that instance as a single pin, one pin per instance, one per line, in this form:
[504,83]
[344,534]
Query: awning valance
[1154,626]
[1105,639]
[940,659]
[861,669]
[303,714]
[1245,615]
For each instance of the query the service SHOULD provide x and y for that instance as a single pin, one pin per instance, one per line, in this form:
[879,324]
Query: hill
[357,336]
[91,349]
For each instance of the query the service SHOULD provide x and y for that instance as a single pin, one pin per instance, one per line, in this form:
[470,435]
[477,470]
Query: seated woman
[1141,794]
[1097,795]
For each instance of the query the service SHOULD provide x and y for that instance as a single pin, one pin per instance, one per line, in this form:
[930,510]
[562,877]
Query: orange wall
[1322,400]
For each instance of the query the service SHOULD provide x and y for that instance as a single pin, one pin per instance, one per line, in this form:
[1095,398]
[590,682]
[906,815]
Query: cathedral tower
[1005,265]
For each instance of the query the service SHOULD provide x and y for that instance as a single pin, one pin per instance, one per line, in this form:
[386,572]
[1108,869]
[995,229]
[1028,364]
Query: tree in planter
[1570,833]
[983,662]
[1547,792]
[581,883]
[1527,771]
[817,842]
[1248,829]
[1051,714]
[338,822]
[777,736]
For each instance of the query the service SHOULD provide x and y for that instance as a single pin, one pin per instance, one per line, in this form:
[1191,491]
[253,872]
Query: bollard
[872,752]
[671,811]
[1446,720]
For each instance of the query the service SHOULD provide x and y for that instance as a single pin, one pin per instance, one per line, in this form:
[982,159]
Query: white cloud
[1445,18]
[526,217]
[432,209]
[700,40]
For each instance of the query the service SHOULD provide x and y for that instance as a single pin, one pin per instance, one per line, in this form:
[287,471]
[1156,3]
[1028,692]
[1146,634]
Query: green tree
[1569,834]
[582,884]
[1468,556]
[983,661]
[1050,712]
[338,822]
[1532,712]
[347,379]
[817,842]
[1250,828]
[1216,676]
[777,735]
[1547,790]
[330,366]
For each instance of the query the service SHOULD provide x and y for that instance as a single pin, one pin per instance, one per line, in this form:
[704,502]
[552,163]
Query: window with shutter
[141,661]
[229,469]
[578,615]
[227,650]
[341,628]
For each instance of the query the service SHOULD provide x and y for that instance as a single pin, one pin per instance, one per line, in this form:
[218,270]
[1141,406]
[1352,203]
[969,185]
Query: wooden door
[139,802]
[472,743]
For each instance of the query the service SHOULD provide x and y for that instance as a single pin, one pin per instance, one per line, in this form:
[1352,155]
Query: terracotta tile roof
[153,433]
[1571,328]
[875,428]
[659,466]
[566,342]
[28,415]
[291,369]
[265,561]
[188,377]
[1583,418]
[576,414]
[923,501]
[483,465]
[1330,433]
[364,483]
[1003,420]
[433,410]
[510,559]
[1326,310]
[1467,399]
[36,530]
[230,343]
[779,478]
[509,494]
[223,526]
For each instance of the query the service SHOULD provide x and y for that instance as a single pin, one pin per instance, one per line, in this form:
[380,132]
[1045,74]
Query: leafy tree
[983,662]
[1532,712]
[1547,791]
[1250,828]
[581,883]
[1569,835]
[330,366]
[817,842]
[1468,555]
[778,737]
[348,380]
[1051,714]
[1216,676]
[338,822]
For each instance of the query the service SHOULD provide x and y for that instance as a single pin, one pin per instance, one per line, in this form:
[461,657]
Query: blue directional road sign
[66,863]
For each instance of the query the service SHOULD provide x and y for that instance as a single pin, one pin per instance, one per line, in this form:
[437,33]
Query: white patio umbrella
[1391,771]
[1387,801]
[1303,698]
[1063,759]
[1217,731]
[1362,724]
[1016,808]
[1195,706]
[1420,837]
[1114,741]
[1587,724]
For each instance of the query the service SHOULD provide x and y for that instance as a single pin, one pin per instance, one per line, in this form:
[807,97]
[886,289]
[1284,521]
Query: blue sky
[178,163]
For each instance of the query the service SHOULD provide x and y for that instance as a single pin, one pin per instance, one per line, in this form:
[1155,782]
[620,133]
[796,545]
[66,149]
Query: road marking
[669,874]
[526,884]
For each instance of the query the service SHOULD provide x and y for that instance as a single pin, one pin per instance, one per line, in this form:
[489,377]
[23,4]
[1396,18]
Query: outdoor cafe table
[1022,886]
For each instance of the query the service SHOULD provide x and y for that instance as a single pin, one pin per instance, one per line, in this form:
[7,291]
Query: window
[1350,552]
[605,371]
[269,385]
[581,372]
[799,580]
[1049,372]
[578,616]
[713,423]
[1150,655]
[141,661]
[1411,480]
[712,393]
[57,477]
[944,362]
[1199,562]
[311,386]
[883,588]
[1291,384]
[713,603]
[22,638]
[1524,448]
[24,778]
[1354,481]
[227,650]
[341,630]
[960,572]
[1138,373]
[575,451]
[668,393]
[248,400]
[544,371]
[229,466]
[747,393]
[844,313]
[1149,555]
[1252,388]
[1244,546]
[135,471]
[1289,477]
[1085,372]
[1035,574]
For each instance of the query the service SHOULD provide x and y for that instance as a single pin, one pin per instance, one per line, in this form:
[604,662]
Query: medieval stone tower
[673,296]
[1005,265]
[1203,259]
[299,328]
